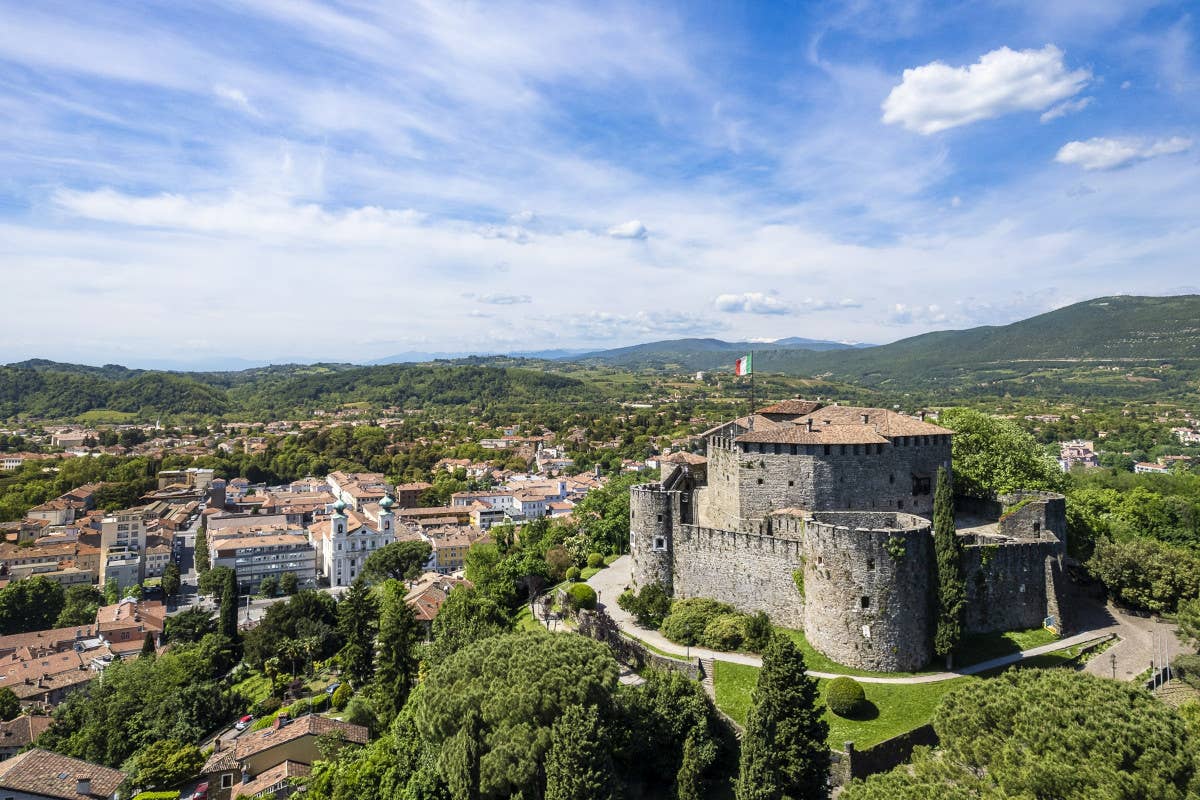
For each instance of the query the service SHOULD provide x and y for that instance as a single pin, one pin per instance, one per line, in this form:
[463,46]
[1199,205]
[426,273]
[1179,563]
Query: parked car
[331,688]
[244,722]
[201,792]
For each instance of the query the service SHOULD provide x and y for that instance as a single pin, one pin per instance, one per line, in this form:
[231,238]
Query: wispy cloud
[1100,153]
[751,303]
[633,229]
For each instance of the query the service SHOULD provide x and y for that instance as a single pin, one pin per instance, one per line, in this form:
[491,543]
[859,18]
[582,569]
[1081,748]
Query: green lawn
[588,572]
[526,622]
[896,707]
[974,649]
[255,689]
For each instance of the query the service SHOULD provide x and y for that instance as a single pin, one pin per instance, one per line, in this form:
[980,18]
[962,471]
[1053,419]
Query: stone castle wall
[750,571]
[745,485]
[650,535]
[1007,586]
[867,589]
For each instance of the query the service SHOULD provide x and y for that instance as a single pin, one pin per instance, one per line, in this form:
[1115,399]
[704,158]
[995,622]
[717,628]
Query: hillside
[698,354]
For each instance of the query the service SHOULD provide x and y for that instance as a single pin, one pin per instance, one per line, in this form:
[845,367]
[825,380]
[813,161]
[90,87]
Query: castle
[819,516]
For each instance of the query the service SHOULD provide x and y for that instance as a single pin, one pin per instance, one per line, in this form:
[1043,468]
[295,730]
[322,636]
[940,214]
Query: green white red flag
[743,366]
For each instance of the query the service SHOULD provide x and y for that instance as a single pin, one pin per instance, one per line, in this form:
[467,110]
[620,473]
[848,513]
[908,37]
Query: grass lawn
[255,689]
[976,648]
[895,707]
[525,620]
[608,560]
[588,572]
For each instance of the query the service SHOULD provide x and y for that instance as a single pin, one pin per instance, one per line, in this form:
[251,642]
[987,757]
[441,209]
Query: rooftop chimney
[921,414]
[865,417]
[83,785]
[808,424]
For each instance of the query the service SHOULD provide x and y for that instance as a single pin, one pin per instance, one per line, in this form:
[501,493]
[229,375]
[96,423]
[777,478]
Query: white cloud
[1062,109]
[504,299]
[904,314]
[1100,153]
[235,96]
[751,303]
[936,96]
[633,229]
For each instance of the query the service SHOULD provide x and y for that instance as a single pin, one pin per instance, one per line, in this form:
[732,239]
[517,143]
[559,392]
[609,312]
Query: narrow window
[660,543]
[760,480]
[866,602]
[791,483]
[660,517]
[899,504]
[871,564]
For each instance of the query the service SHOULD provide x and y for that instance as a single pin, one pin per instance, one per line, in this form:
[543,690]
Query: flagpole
[751,417]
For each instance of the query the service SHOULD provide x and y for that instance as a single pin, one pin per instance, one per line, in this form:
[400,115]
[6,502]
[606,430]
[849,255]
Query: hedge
[580,595]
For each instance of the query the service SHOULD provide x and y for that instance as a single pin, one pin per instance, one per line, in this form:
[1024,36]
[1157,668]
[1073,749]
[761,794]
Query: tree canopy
[994,456]
[1047,733]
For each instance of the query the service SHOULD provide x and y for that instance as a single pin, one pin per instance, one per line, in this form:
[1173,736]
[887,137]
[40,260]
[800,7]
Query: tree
[148,647]
[268,586]
[10,706]
[467,616]
[191,625]
[525,682]
[578,763]
[213,581]
[30,604]
[80,603]
[1047,733]
[398,560]
[163,764]
[994,456]
[171,580]
[951,590]
[306,613]
[699,754]
[357,624]
[112,592]
[289,584]
[395,663]
[1188,620]
[784,754]
[201,553]
[227,621]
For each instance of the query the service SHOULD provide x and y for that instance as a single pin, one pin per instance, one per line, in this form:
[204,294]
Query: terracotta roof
[277,773]
[826,434]
[23,730]
[257,741]
[41,772]
[889,423]
[683,457]
[794,407]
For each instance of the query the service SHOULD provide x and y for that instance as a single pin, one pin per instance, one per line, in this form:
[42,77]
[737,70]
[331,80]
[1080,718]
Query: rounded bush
[580,595]
[341,696]
[573,574]
[688,619]
[725,632]
[595,561]
[844,696]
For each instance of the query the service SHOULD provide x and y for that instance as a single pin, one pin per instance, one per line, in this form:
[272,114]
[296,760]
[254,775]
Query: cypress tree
[148,644]
[784,754]
[358,615]
[395,664]
[229,607]
[951,589]
[699,753]
[578,764]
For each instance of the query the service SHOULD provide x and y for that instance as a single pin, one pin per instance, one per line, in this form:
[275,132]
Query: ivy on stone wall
[798,577]
[896,548]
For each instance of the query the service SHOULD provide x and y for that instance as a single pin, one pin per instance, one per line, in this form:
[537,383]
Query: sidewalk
[610,582]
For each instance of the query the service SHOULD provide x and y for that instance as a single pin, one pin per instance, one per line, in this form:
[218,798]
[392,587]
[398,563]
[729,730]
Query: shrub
[688,619]
[319,703]
[299,708]
[649,608]
[844,696]
[341,696]
[595,561]
[171,795]
[628,601]
[725,632]
[1187,668]
[266,707]
[573,574]
[758,631]
[580,595]
[359,712]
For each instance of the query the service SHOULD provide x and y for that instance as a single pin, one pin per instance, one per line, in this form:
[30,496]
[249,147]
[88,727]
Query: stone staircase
[706,677]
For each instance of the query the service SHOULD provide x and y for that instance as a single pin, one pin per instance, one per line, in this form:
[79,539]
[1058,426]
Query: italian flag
[743,366]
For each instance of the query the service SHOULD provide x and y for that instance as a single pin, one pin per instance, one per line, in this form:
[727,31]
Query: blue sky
[286,179]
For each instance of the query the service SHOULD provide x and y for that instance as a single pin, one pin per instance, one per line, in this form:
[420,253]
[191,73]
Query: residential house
[20,732]
[42,775]
[427,595]
[257,762]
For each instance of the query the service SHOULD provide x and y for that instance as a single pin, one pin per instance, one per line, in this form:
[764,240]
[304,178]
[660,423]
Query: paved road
[609,583]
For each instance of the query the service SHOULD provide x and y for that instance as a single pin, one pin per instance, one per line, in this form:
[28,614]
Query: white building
[255,557]
[345,540]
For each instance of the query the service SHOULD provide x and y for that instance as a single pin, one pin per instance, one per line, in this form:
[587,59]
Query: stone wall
[1006,585]
[855,763]
[750,571]
[650,539]
[868,590]
[744,486]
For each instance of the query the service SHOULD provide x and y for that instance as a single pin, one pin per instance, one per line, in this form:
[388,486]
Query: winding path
[610,582]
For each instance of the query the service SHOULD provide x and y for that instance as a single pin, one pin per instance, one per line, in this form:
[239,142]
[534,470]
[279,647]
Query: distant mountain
[699,354]
[1122,332]
[420,356]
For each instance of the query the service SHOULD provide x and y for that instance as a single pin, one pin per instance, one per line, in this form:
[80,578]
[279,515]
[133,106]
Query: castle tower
[386,517]
[650,535]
